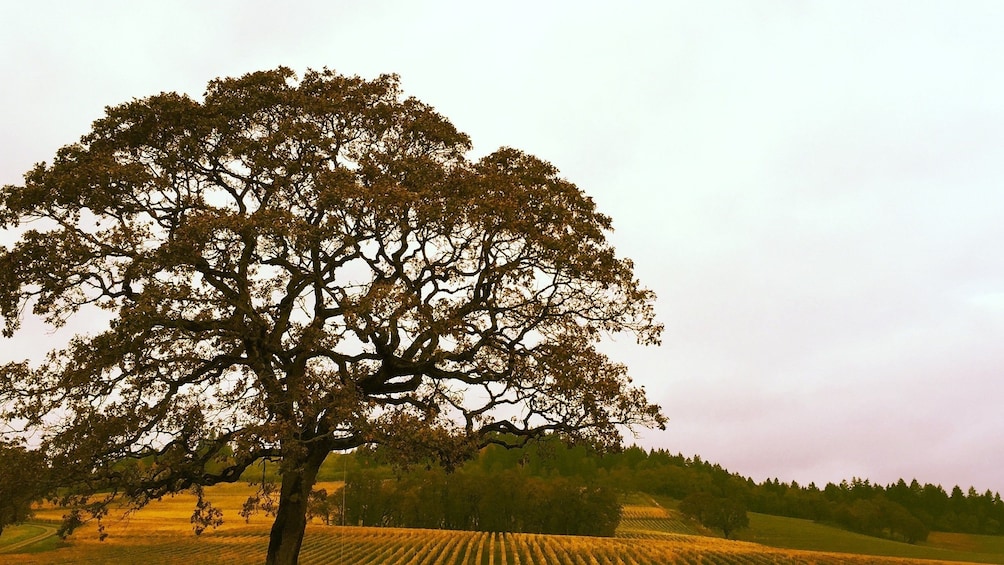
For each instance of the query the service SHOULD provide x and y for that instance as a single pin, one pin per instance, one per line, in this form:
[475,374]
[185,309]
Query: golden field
[161,533]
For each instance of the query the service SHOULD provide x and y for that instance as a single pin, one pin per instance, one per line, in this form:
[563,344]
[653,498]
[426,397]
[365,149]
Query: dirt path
[47,531]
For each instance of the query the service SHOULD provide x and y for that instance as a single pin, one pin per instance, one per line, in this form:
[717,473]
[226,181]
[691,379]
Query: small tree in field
[725,514]
[299,266]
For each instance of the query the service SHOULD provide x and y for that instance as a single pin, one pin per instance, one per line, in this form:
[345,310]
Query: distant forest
[553,481]
[901,510]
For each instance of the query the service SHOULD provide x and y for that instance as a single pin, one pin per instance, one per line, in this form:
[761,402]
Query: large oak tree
[295,266]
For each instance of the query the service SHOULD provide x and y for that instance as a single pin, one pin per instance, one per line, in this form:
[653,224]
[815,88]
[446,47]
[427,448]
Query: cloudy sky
[815,190]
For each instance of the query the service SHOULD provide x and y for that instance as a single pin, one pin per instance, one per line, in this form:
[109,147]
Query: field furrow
[372,546]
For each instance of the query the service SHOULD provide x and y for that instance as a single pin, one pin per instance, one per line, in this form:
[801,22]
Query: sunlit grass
[15,536]
[173,513]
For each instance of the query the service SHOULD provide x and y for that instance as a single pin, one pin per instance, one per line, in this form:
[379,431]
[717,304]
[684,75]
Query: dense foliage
[508,501]
[23,478]
[299,265]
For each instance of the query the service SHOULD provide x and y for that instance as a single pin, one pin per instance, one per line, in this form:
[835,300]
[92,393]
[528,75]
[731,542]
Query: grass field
[651,533]
[793,533]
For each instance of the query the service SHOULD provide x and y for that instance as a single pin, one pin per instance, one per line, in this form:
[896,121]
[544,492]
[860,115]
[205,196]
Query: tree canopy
[298,265]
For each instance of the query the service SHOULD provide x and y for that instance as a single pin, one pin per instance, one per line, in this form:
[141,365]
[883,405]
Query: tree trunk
[298,478]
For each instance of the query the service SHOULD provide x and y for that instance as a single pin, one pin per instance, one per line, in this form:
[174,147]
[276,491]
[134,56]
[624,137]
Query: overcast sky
[815,190]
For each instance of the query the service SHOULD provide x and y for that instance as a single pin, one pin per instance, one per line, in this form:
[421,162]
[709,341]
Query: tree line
[903,510]
[507,501]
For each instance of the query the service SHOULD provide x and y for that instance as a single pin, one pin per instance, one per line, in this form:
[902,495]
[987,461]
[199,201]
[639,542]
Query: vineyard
[393,546]
[648,535]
